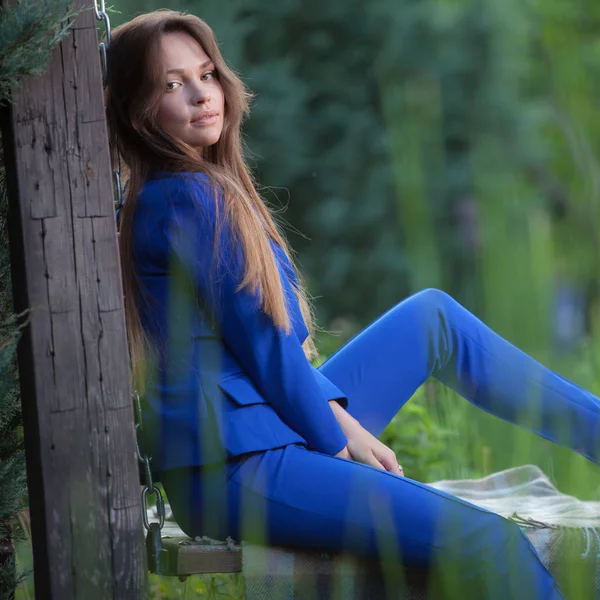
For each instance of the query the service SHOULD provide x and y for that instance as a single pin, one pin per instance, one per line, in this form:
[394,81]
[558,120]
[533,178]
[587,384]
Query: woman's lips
[204,121]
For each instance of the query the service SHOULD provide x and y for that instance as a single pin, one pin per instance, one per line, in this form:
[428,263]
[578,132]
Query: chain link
[101,15]
[160,506]
[149,488]
[100,9]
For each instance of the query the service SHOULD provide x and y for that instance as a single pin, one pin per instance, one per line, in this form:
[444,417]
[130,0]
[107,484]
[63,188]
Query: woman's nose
[201,94]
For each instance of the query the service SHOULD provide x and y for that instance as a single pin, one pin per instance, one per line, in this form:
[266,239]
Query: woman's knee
[434,298]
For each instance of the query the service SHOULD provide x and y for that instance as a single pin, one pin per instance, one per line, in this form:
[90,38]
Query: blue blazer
[224,380]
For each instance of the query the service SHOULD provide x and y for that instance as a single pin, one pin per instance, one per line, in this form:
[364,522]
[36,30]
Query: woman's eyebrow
[202,66]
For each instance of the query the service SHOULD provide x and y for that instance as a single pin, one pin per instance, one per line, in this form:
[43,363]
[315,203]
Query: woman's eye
[205,77]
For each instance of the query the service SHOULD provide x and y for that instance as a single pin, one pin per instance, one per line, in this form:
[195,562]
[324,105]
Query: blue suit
[239,424]
[249,388]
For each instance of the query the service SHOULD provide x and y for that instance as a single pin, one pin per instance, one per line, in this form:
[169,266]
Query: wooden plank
[73,359]
[60,271]
[82,79]
[68,363]
[90,315]
[110,289]
[114,368]
[189,558]
[78,509]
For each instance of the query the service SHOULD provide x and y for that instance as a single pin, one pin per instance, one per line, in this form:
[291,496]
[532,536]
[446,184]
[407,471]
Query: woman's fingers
[389,461]
[372,461]
[365,448]
[382,461]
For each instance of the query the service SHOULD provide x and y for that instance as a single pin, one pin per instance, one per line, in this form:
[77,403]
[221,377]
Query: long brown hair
[133,89]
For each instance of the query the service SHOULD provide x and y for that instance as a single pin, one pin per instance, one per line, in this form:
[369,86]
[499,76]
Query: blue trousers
[295,496]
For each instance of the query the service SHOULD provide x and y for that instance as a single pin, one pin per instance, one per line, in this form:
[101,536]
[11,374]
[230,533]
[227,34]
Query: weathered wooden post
[73,361]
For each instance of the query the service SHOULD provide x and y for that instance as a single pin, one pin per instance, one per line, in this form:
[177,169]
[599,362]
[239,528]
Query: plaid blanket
[527,492]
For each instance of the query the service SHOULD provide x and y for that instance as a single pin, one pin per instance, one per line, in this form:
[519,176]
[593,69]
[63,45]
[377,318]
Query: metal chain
[101,15]
[149,488]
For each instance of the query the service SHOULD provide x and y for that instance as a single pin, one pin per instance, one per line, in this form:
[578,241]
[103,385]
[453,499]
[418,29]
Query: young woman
[250,440]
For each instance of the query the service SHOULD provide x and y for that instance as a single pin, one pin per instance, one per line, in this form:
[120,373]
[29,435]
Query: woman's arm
[274,360]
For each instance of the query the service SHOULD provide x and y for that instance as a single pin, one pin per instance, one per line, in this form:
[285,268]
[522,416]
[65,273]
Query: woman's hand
[366,448]
[363,446]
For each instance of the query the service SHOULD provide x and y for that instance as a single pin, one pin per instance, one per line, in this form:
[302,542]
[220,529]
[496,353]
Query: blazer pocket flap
[241,390]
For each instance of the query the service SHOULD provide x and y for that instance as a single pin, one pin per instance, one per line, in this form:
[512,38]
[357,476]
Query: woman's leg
[430,334]
[295,497]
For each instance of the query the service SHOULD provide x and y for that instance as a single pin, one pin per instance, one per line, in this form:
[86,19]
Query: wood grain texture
[73,359]
[188,558]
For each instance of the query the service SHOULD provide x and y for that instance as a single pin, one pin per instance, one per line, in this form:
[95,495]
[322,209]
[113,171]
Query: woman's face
[192,104]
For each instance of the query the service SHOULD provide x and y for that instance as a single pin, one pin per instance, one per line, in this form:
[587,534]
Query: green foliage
[29,31]
[420,441]
[204,587]
[12,461]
